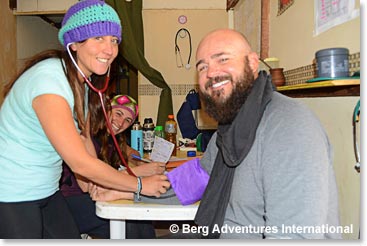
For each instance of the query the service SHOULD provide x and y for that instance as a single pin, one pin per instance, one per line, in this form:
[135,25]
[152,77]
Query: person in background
[270,160]
[122,112]
[44,119]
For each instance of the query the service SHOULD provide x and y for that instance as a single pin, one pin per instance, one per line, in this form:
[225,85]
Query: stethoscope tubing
[177,48]
[100,92]
[356,113]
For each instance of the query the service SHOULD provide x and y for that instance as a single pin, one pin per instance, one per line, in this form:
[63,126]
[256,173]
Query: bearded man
[270,161]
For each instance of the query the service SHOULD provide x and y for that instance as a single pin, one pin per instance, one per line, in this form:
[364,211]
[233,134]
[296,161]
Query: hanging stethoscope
[182,33]
[100,92]
[356,113]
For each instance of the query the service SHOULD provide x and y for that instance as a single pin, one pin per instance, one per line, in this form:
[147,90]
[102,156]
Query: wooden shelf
[51,12]
[329,88]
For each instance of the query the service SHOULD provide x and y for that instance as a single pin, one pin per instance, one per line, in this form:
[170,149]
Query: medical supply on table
[140,158]
[191,153]
[158,131]
[170,131]
[162,150]
[148,135]
[137,138]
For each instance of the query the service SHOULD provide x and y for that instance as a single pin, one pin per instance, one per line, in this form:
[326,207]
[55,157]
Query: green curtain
[132,49]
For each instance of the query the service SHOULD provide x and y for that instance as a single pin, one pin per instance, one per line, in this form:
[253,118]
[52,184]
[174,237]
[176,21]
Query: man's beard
[225,110]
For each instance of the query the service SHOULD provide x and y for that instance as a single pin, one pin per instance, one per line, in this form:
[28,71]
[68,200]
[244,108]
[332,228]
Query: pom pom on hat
[87,19]
[127,102]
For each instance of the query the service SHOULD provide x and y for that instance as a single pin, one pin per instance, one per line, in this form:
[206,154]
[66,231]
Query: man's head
[226,69]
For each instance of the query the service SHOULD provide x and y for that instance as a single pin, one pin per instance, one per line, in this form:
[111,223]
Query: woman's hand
[155,185]
[98,193]
[149,169]
[130,151]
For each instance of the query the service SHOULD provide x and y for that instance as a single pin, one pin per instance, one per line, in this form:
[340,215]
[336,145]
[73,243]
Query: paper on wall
[330,13]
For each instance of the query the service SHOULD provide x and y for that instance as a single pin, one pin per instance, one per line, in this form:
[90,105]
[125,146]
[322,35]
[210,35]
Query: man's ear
[253,59]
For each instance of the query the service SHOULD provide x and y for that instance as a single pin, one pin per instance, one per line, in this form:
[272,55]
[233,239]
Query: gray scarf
[234,141]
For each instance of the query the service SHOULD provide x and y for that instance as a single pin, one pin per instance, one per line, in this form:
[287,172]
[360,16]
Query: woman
[122,113]
[44,119]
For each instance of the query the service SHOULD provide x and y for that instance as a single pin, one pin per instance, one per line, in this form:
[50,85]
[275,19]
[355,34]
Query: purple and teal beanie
[87,19]
[126,102]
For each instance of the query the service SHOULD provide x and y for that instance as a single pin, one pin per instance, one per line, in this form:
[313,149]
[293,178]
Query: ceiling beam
[231,4]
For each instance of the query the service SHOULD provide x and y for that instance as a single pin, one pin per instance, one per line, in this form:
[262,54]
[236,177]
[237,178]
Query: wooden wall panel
[8,49]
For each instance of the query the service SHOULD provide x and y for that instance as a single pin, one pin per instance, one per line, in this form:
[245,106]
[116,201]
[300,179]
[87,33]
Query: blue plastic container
[137,138]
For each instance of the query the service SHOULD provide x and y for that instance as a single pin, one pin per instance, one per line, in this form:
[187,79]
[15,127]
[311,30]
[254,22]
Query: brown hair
[99,131]
[98,124]
[71,74]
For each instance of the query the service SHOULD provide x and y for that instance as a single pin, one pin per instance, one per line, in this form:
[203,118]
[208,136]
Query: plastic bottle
[148,135]
[170,131]
[158,131]
[137,138]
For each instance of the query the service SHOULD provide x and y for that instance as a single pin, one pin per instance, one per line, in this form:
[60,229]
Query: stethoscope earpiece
[182,34]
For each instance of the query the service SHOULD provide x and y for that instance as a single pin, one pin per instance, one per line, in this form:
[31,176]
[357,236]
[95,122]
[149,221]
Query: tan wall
[247,20]
[34,35]
[292,39]
[186,4]
[293,42]
[335,114]
[8,46]
[160,27]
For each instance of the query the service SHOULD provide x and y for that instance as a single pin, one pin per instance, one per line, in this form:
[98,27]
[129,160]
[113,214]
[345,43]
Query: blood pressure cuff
[189,181]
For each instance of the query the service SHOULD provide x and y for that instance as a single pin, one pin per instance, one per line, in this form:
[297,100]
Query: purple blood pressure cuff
[189,181]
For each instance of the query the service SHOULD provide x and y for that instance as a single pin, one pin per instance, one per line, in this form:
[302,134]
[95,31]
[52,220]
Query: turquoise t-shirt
[30,167]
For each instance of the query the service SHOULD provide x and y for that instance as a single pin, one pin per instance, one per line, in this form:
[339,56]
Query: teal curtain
[132,49]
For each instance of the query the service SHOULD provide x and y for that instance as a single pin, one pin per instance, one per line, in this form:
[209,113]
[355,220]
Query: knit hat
[126,102]
[87,19]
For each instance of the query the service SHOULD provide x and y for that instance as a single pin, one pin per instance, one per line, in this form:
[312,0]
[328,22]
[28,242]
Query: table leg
[118,229]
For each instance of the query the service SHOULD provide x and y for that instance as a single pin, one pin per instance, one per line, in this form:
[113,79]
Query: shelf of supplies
[328,88]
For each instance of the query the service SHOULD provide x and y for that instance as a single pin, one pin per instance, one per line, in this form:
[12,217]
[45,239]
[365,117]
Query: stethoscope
[356,113]
[177,48]
[100,92]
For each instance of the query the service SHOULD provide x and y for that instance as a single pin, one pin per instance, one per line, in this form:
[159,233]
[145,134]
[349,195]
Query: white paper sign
[330,13]
[162,150]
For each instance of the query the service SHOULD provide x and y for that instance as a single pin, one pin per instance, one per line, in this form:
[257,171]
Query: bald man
[270,161]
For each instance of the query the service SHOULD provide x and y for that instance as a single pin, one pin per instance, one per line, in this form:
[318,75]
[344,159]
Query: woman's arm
[57,121]
[129,152]
[149,169]
[88,143]
[98,193]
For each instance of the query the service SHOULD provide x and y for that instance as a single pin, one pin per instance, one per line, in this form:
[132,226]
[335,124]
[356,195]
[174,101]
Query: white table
[120,211]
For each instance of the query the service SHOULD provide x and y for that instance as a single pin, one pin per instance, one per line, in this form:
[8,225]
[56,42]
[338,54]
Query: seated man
[270,161]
